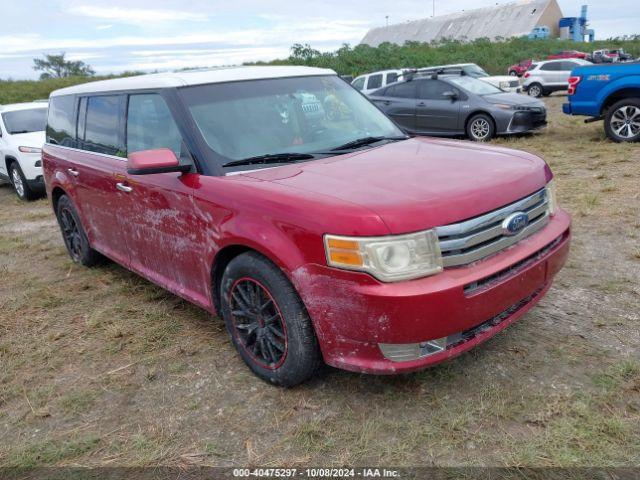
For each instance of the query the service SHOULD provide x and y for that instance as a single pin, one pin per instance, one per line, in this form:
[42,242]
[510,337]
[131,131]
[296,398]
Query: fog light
[406,352]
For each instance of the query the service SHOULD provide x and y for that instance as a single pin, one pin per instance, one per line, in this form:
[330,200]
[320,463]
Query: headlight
[30,150]
[504,106]
[389,259]
[552,199]
[505,85]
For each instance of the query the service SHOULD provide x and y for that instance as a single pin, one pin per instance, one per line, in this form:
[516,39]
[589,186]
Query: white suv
[544,78]
[371,82]
[21,138]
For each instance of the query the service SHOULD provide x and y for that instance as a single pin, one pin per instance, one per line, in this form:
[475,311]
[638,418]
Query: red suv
[314,235]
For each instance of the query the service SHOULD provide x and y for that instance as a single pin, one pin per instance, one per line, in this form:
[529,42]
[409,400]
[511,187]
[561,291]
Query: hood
[499,78]
[514,99]
[418,183]
[31,139]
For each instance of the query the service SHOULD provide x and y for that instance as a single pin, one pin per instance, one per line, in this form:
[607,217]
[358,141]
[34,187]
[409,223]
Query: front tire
[622,122]
[481,128]
[267,321]
[535,90]
[73,234]
[19,182]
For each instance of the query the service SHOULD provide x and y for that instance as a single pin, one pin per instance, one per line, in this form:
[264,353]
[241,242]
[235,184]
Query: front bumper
[353,313]
[525,121]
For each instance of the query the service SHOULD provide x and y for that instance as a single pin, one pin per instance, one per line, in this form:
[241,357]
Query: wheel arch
[477,112]
[8,160]
[56,194]
[615,97]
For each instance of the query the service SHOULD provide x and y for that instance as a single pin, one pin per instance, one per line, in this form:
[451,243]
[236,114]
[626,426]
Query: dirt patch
[99,367]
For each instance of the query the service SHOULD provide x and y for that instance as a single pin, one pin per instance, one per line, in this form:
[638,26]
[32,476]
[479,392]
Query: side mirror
[453,96]
[160,160]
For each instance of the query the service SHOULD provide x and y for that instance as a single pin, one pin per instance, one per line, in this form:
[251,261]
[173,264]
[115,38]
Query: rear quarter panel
[598,84]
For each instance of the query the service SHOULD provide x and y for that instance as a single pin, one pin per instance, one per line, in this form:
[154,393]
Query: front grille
[512,270]
[514,83]
[463,337]
[475,239]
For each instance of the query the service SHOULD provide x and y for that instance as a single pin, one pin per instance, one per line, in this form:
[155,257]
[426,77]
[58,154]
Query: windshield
[25,121]
[475,71]
[472,85]
[303,115]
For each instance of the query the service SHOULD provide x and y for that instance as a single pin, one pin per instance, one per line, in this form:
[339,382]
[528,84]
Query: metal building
[501,21]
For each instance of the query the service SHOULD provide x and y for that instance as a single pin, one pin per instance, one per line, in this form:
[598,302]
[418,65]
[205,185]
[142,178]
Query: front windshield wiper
[18,132]
[361,142]
[270,158]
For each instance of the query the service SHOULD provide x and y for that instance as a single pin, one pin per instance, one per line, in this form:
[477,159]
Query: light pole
[387,17]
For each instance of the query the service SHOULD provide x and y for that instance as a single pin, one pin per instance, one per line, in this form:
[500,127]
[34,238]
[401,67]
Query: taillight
[527,75]
[573,84]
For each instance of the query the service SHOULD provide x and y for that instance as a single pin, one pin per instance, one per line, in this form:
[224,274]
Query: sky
[147,35]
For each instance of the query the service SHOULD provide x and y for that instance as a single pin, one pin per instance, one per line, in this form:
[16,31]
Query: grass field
[102,368]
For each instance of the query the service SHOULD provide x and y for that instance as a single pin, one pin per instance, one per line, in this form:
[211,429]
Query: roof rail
[411,73]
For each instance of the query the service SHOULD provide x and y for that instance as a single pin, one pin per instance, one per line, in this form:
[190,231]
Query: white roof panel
[192,77]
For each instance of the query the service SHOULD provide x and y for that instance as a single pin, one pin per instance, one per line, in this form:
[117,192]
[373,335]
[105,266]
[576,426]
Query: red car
[519,69]
[315,237]
[568,54]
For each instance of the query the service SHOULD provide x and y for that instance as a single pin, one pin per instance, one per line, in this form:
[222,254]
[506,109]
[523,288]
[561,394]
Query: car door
[98,172]
[161,216]
[552,73]
[436,112]
[399,102]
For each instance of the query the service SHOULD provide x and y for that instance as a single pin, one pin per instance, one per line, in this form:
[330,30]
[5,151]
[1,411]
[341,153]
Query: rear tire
[20,185]
[622,122]
[268,322]
[73,234]
[481,128]
[535,90]
[513,73]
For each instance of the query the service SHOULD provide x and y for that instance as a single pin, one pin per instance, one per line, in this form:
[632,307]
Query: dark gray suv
[457,105]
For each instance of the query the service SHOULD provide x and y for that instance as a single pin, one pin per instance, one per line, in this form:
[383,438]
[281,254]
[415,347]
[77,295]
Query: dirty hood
[418,183]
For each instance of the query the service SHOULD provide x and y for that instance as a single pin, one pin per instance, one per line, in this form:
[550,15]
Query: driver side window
[150,125]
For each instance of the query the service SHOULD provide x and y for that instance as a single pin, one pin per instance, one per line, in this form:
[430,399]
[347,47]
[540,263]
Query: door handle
[124,188]
[73,172]
[422,104]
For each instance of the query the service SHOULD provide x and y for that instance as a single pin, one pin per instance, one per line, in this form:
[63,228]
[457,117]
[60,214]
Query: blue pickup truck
[610,93]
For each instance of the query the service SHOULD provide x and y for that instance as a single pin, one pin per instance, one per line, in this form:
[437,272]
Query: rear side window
[392,78]
[150,125]
[402,90]
[569,65]
[61,123]
[102,125]
[375,81]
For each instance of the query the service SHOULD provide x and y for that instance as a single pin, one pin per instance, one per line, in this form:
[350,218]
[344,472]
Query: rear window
[392,78]
[61,123]
[25,121]
[102,125]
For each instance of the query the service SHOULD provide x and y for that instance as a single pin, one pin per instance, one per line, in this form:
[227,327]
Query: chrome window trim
[122,159]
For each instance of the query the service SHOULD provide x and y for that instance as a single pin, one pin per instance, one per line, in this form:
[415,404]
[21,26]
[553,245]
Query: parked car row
[597,56]
[452,104]
[330,238]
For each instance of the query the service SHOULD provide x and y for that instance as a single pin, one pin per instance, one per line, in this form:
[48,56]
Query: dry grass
[99,367]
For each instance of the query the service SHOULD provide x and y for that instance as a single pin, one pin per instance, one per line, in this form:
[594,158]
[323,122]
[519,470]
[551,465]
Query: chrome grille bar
[477,238]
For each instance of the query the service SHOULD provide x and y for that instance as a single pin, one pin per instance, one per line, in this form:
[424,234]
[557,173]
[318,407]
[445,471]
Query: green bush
[495,57]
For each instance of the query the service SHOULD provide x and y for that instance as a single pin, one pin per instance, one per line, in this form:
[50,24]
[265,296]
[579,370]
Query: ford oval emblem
[515,223]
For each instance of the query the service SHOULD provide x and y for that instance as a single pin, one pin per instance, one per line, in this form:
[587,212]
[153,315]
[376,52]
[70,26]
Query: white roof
[500,21]
[23,106]
[579,61]
[193,77]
